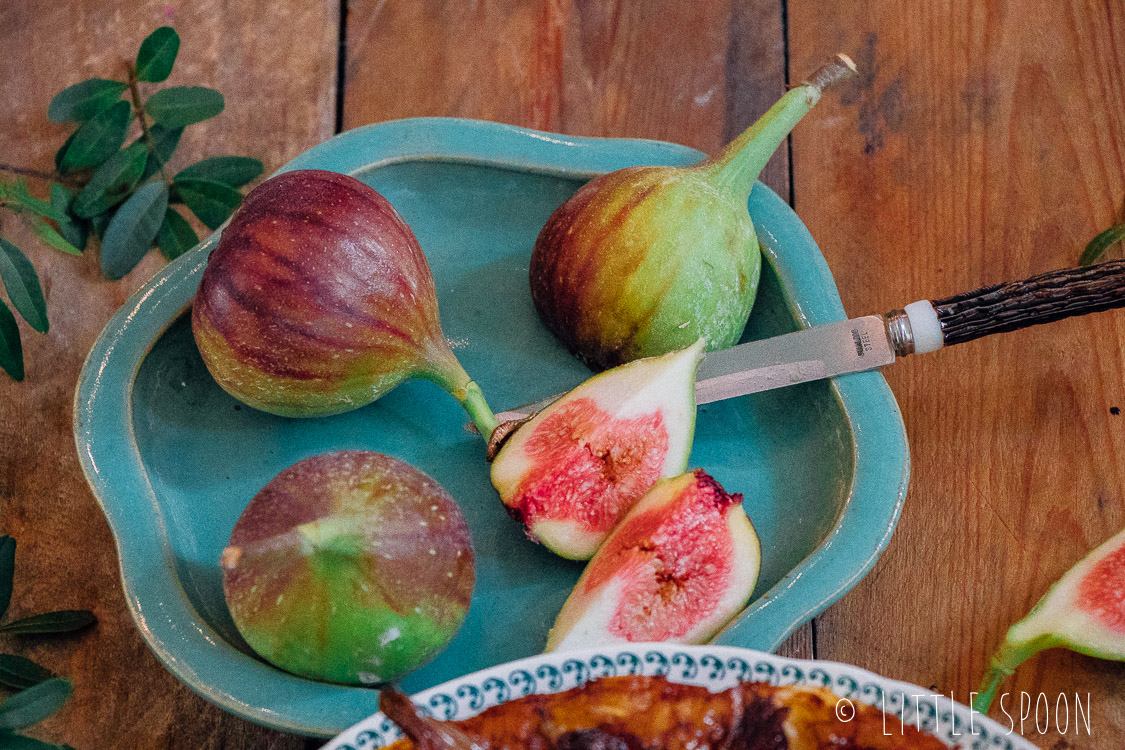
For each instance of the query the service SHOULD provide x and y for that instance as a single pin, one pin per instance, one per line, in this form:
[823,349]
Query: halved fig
[681,563]
[572,471]
[1084,611]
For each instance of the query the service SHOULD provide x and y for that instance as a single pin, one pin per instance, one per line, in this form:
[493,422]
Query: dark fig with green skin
[318,300]
[350,567]
[647,260]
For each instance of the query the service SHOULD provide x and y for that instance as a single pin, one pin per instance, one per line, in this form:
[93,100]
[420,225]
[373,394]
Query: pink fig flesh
[1101,594]
[680,565]
[596,480]
[349,567]
[318,300]
[1083,611]
[572,472]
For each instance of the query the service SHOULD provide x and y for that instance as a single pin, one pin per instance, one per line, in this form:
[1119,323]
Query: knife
[875,341]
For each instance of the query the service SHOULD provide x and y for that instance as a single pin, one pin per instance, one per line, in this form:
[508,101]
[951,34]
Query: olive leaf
[179,106]
[235,171]
[157,55]
[34,704]
[72,231]
[132,229]
[111,182]
[22,285]
[63,621]
[1101,243]
[61,153]
[176,236]
[19,193]
[212,202]
[20,673]
[98,138]
[7,571]
[82,101]
[99,223]
[164,141]
[11,350]
[50,235]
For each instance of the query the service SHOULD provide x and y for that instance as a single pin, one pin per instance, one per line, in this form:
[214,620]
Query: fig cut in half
[679,566]
[573,470]
[1084,611]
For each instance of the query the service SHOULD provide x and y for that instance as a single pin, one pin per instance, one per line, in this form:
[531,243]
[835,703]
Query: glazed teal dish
[173,460]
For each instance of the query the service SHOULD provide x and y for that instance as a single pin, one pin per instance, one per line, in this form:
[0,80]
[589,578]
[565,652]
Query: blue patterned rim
[714,667]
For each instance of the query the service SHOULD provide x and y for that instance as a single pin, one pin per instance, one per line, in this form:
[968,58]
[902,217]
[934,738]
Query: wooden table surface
[983,140]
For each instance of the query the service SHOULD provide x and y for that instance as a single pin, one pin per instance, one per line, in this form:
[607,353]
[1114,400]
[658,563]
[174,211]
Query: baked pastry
[651,713]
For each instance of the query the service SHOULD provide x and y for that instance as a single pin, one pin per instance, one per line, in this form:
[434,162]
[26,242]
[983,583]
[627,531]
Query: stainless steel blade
[810,354]
[813,353]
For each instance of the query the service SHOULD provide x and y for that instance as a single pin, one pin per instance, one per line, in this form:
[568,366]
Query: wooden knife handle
[1040,299]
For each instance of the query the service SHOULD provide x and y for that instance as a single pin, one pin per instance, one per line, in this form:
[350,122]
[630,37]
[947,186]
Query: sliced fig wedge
[1084,611]
[574,469]
[681,563]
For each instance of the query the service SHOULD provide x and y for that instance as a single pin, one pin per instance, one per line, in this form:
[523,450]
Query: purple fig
[349,567]
[647,260]
[318,300]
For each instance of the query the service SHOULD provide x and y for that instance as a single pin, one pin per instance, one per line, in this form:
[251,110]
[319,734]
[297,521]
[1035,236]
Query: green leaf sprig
[1097,247]
[39,691]
[117,190]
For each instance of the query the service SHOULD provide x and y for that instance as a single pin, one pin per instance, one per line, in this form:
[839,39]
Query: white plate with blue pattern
[714,667]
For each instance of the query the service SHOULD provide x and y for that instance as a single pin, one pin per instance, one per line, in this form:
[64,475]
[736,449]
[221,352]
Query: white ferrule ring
[924,326]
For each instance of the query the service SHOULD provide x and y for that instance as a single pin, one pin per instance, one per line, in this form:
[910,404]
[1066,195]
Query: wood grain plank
[279,88]
[696,74]
[983,141]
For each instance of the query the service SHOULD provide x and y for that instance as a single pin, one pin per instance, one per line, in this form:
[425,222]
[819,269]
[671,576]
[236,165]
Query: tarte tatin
[651,713]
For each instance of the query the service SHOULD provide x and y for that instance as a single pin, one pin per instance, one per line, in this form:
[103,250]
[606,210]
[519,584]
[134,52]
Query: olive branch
[121,194]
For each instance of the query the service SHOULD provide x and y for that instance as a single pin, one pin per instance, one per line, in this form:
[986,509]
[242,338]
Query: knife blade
[874,341]
[810,354]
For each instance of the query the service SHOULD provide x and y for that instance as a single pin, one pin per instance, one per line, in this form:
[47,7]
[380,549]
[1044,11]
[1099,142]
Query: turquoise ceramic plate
[172,459]
[714,667]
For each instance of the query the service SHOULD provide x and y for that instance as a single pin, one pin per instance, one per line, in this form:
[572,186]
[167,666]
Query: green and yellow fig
[349,567]
[318,300]
[647,260]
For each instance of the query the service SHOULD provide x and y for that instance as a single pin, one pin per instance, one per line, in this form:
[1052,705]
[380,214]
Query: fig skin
[318,300]
[646,260]
[350,567]
[611,279]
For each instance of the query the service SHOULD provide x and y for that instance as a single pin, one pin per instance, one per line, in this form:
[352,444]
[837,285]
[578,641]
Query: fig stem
[1004,662]
[475,404]
[448,373]
[736,167]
